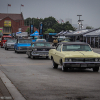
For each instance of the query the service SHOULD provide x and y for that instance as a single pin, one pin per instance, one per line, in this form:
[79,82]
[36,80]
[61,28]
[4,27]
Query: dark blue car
[22,44]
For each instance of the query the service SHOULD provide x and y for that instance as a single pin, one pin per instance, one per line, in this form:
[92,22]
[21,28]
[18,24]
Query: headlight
[34,49]
[68,60]
[96,59]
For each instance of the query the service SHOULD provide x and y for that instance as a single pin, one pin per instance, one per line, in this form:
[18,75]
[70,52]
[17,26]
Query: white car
[40,40]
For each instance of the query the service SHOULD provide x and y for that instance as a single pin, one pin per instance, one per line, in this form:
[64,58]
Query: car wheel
[64,69]
[47,57]
[54,64]
[6,48]
[96,69]
[28,56]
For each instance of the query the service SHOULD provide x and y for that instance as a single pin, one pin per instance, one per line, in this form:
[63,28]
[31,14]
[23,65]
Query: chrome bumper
[81,64]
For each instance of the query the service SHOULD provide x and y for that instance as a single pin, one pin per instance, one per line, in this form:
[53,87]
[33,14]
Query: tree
[28,30]
[50,31]
[89,27]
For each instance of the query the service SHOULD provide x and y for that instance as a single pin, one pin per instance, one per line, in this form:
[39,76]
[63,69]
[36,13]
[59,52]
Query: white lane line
[11,88]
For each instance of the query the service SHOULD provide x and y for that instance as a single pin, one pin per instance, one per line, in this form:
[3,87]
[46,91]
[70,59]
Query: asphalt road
[35,79]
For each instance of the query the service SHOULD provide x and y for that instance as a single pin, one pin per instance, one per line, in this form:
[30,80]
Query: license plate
[83,65]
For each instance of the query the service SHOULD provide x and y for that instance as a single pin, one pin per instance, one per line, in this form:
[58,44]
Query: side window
[58,48]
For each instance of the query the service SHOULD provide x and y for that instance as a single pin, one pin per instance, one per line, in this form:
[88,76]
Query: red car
[4,39]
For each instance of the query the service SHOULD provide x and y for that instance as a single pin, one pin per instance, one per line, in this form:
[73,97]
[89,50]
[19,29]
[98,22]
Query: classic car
[22,44]
[74,55]
[10,44]
[4,39]
[39,49]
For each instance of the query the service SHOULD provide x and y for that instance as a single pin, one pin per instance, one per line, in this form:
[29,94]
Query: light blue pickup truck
[22,44]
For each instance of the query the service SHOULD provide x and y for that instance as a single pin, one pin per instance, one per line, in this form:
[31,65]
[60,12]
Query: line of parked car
[40,48]
[67,54]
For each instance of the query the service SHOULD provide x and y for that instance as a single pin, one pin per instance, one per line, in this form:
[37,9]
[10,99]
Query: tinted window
[24,41]
[42,44]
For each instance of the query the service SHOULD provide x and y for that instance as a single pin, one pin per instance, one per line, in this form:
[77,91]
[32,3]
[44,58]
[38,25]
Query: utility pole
[79,21]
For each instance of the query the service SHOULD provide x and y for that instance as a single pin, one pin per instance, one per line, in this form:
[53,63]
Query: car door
[57,54]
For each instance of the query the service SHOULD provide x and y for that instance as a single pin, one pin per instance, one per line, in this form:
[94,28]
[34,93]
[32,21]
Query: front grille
[83,59]
[43,49]
[12,44]
[22,48]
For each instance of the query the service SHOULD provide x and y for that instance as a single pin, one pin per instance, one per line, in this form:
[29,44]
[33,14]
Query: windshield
[24,41]
[74,47]
[42,44]
[67,39]
[11,41]
[6,38]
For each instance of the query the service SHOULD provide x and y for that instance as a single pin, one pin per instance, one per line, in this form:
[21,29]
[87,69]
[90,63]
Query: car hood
[24,44]
[80,54]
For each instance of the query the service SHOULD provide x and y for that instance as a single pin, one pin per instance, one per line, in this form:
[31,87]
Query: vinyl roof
[64,43]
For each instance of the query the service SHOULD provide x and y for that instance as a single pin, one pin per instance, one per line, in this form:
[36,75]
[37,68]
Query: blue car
[22,44]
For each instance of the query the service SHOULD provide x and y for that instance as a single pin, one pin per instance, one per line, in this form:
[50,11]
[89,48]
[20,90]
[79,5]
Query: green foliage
[49,24]
[50,31]
[28,30]
[89,27]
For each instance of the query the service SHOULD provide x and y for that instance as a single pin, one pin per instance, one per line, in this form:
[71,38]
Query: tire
[47,57]
[96,69]
[6,48]
[55,66]
[28,56]
[64,69]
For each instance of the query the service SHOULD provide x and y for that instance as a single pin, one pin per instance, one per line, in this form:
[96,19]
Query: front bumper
[81,64]
[21,50]
[41,54]
[10,47]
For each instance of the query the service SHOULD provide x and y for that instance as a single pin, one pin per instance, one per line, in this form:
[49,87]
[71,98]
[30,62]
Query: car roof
[65,43]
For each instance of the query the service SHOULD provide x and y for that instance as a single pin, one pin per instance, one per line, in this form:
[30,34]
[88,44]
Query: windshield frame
[42,44]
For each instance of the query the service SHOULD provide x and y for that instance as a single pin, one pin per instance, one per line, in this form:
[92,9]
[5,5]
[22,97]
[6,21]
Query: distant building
[12,23]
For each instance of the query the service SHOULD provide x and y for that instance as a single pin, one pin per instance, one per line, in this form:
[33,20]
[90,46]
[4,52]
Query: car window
[73,47]
[24,41]
[42,44]
[11,41]
[58,48]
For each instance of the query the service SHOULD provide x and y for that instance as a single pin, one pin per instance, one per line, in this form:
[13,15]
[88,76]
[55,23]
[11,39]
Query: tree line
[50,25]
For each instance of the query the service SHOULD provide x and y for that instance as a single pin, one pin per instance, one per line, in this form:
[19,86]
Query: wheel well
[51,57]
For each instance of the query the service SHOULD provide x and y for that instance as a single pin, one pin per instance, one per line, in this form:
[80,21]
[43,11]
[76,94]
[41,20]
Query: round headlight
[66,60]
[70,60]
[96,59]
[34,49]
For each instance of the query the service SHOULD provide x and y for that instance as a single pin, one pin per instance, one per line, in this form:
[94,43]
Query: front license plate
[83,65]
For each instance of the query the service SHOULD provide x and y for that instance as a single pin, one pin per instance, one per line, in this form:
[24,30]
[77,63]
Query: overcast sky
[60,9]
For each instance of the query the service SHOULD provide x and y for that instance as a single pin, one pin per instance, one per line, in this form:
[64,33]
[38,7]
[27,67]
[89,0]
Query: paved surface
[36,80]
[4,93]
